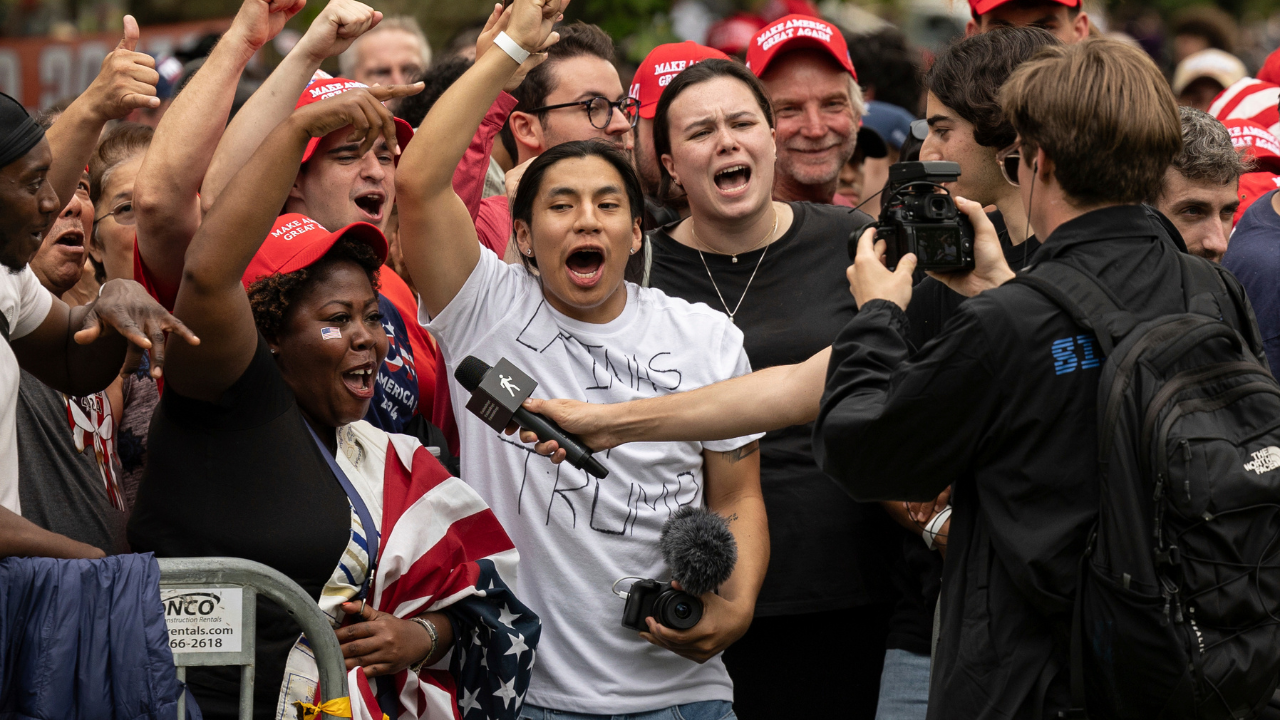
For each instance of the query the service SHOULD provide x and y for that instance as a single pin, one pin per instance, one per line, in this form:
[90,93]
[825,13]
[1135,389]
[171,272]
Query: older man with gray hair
[395,52]
[1201,188]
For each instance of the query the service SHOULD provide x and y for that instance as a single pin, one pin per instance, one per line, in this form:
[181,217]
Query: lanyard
[362,511]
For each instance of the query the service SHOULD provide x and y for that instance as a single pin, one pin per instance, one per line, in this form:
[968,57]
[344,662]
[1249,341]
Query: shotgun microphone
[497,395]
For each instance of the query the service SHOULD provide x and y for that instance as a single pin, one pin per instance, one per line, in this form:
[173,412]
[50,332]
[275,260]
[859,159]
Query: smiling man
[1200,193]
[1063,18]
[805,67]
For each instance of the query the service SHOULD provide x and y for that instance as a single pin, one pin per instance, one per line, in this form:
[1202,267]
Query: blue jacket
[84,639]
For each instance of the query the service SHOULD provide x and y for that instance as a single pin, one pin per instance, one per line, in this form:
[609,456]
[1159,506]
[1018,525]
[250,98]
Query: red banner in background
[41,71]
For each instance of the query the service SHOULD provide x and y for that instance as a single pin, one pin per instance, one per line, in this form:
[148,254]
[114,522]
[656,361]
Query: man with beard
[804,64]
[1201,189]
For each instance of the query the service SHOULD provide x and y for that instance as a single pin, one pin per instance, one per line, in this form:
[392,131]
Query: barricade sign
[204,620]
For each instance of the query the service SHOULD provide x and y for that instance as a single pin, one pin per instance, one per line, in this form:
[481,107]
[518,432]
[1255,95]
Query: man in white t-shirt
[41,333]
[579,330]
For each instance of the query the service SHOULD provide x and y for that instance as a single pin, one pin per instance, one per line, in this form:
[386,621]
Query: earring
[633,251]
[529,253]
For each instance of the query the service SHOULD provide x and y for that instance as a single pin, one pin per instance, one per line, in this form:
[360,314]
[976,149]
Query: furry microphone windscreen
[699,549]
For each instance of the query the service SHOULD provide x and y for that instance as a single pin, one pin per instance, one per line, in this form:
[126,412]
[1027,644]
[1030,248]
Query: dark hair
[700,73]
[531,182]
[118,145]
[1072,12]
[1213,24]
[577,39]
[271,296]
[888,68]
[967,76]
[437,79]
[1207,153]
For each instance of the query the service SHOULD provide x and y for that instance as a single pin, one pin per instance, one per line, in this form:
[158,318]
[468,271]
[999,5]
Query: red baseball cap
[1257,142]
[982,7]
[296,241]
[322,88]
[794,32]
[1270,71]
[660,66]
[733,34]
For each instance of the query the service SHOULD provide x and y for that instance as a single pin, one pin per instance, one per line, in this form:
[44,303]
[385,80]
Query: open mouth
[733,178]
[371,205]
[360,381]
[585,267]
[71,238]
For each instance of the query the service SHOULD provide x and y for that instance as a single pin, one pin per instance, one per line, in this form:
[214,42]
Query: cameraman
[1010,433]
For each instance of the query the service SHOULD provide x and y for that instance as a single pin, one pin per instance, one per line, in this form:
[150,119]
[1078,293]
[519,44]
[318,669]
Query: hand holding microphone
[497,397]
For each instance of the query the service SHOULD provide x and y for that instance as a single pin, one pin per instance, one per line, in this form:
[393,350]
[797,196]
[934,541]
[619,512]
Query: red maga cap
[296,241]
[660,66]
[795,32]
[323,88]
[982,7]
[1257,142]
[1270,71]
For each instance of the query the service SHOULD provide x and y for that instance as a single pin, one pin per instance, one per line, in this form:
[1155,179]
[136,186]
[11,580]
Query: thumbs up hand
[127,80]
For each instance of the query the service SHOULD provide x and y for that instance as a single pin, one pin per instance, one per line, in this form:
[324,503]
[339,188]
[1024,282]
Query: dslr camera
[919,216]
[672,608]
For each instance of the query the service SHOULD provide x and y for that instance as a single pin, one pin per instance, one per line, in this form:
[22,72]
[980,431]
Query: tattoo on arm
[737,454]
[731,518]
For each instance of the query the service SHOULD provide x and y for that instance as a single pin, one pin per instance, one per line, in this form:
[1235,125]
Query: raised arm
[126,82]
[166,192]
[768,399]
[436,231]
[333,30]
[211,299]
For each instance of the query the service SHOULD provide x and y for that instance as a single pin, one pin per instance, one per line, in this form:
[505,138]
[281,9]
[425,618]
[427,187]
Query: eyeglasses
[1009,159]
[123,213]
[600,110]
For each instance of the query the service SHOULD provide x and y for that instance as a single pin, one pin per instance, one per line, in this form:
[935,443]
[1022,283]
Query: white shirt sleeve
[489,295]
[32,304]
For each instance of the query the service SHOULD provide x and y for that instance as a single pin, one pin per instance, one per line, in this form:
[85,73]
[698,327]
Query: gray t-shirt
[67,469]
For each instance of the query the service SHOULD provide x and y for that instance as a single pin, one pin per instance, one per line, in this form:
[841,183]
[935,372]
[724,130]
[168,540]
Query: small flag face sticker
[331,333]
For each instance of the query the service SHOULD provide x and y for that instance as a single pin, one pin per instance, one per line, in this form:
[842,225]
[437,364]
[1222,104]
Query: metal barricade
[211,609]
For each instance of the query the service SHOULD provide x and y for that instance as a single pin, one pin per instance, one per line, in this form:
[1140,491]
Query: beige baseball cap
[1212,63]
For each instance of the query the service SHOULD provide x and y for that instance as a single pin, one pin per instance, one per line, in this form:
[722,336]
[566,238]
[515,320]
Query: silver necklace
[716,287]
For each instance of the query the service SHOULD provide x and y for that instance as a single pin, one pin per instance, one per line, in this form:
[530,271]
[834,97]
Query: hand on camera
[869,279]
[990,269]
[336,27]
[124,307]
[362,110]
[722,623]
[383,644]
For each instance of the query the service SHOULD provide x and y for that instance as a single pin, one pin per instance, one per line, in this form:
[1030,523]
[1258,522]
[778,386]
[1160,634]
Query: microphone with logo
[700,551]
[496,397]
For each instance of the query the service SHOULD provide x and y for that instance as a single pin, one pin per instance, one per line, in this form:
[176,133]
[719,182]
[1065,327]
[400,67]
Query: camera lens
[683,610]
[677,610]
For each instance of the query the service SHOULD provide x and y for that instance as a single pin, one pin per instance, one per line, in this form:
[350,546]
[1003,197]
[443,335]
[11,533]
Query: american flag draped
[442,549]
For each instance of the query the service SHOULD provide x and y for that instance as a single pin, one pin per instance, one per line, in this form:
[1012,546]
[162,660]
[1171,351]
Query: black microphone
[496,397]
[699,549]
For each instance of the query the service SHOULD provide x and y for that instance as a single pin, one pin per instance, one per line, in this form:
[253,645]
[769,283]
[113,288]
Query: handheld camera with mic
[700,551]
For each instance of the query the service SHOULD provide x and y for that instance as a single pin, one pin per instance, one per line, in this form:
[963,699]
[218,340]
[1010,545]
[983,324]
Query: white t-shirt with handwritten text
[24,303]
[577,534]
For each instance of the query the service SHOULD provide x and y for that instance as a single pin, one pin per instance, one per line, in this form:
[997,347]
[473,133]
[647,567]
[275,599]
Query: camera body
[916,218]
[672,608]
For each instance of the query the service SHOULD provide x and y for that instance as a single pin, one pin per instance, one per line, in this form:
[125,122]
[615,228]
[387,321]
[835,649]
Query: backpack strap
[1088,302]
[1208,293]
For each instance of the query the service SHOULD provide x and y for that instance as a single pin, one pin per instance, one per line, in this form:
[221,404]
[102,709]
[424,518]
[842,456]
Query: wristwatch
[430,627]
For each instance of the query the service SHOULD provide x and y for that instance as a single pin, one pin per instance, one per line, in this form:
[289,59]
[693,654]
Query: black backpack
[1177,609]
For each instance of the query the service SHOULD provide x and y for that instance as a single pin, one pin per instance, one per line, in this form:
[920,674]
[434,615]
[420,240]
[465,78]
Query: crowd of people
[237,333]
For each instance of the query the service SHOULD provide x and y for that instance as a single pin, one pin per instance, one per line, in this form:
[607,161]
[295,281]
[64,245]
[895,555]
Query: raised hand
[127,80]
[258,21]
[498,21]
[124,307]
[531,22]
[359,108]
[336,27]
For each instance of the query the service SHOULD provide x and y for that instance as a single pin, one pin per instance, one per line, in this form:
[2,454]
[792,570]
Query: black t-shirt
[918,577]
[828,551]
[243,477]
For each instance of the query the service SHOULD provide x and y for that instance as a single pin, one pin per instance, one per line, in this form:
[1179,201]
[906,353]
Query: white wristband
[932,530]
[511,47]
